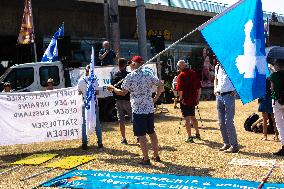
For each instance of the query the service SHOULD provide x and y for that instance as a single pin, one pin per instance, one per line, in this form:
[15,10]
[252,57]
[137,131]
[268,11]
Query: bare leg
[276,138]
[265,118]
[194,123]
[188,126]
[154,142]
[143,146]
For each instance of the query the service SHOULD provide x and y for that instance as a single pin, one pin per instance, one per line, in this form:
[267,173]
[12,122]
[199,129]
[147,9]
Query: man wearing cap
[122,102]
[82,88]
[189,90]
[139,83]
[7,87]
[49,84]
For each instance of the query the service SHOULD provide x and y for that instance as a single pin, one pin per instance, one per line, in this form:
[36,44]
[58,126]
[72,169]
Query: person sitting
[7,87]
[50,84]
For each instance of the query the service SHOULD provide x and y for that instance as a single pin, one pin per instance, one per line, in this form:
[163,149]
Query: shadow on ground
[164,167]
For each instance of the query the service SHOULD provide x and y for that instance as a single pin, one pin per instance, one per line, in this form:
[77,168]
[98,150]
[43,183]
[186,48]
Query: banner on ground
[35,159]
[70,162]
[87,179]
[40,116]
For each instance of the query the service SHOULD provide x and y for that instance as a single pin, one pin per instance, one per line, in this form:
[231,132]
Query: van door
[21,79]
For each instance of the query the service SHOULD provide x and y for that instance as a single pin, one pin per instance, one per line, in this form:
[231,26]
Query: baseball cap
[137,59]
[50,80]
[7,84]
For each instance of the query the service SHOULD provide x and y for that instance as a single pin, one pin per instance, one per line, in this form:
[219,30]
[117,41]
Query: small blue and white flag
[90,100]
[237,38]
[51,53]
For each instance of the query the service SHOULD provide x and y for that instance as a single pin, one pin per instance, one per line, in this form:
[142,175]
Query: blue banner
[89,179]
[237,38]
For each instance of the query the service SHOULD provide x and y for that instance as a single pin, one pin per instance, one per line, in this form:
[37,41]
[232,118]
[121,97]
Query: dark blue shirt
[109,58]
[117,78]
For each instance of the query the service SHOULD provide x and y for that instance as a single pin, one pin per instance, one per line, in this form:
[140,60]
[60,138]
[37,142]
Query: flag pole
[187,35]
[35,54]
[163,51]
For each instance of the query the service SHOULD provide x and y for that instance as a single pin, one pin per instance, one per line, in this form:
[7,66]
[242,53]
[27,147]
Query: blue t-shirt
[109,58]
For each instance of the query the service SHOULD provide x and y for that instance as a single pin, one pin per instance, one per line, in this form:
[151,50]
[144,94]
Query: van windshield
[20,78]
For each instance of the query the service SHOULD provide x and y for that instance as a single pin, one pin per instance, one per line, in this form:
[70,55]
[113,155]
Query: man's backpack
[250,120]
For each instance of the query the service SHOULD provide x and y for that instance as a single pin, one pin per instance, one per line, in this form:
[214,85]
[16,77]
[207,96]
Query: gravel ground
[201,158]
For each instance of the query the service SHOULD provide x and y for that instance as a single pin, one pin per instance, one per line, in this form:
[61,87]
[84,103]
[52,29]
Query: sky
[267,5]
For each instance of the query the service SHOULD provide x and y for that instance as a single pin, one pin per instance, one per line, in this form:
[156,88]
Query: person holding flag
[51,53]
[139,83]
[88,88]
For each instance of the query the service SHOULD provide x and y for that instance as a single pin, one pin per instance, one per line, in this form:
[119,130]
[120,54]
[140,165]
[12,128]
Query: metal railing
[205,6]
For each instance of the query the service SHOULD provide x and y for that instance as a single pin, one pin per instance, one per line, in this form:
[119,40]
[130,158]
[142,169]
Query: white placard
[40,116]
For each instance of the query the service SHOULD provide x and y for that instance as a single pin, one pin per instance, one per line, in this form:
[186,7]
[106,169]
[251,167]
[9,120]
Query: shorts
[187,110]
[123,107]
[143,124]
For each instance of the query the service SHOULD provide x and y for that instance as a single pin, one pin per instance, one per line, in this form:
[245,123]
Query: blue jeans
[98,127]
[226,113]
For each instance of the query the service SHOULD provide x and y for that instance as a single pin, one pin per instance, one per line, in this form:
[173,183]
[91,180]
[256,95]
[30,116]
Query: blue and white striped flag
[51,53]
[90,100]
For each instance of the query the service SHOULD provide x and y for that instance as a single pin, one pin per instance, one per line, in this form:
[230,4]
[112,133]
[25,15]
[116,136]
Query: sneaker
[197,136]
[232,149]
[84,146]
[189,140]
[280,152]
[225,147]
[124,141]
[144,162]
[157,159]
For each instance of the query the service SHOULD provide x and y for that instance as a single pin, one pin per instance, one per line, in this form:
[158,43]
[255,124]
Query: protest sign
[70,162]
[40,116]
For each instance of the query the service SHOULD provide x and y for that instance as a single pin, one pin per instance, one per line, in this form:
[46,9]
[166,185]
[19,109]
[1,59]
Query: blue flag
[90,100]
[237,38]
[51,53]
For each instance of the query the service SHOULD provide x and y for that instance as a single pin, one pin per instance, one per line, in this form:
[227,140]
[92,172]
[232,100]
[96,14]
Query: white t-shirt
[139,84]
[82,85]
[224,84]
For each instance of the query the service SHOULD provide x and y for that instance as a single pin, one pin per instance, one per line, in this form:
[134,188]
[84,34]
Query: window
[20,78]
[46,72]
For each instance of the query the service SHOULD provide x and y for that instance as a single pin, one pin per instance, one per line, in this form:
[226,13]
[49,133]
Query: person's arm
[159,91]
[121,92]
[102,56]
[198,96]
[215,79]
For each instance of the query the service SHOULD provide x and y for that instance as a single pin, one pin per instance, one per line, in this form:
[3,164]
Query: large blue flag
[90,100]
[237,38]
[51,53]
